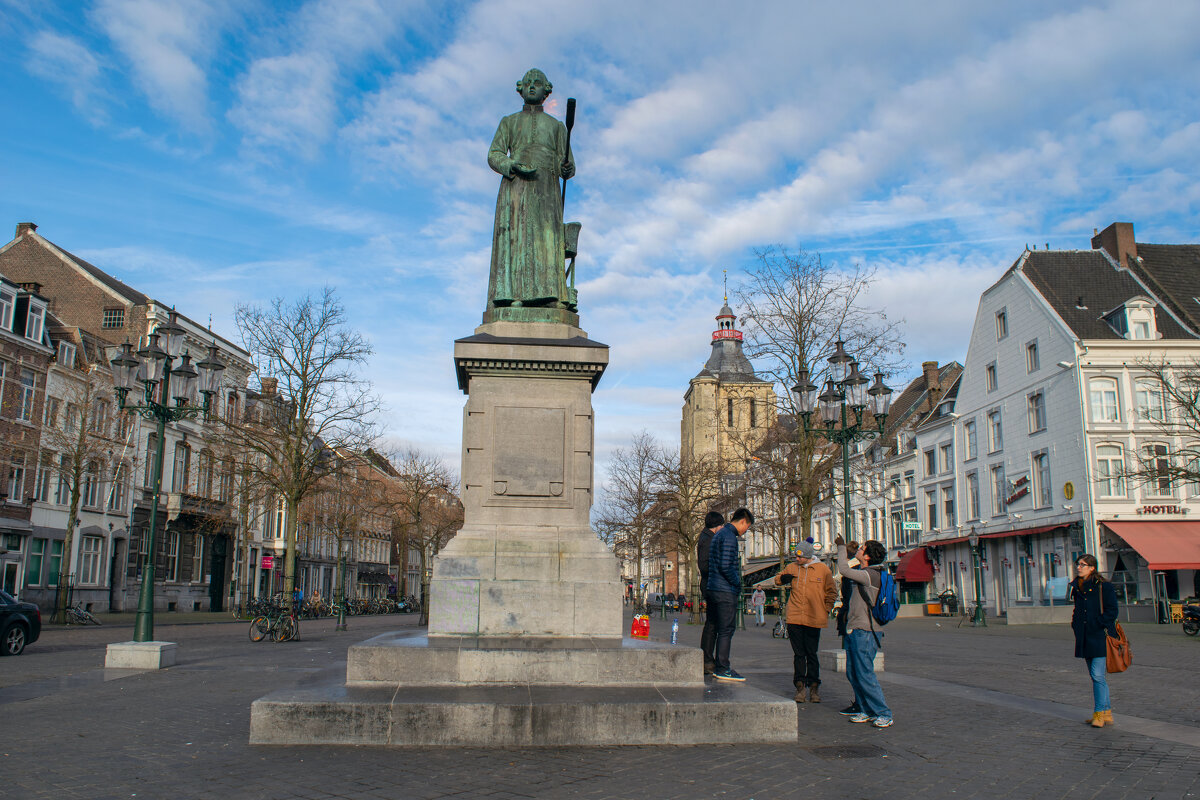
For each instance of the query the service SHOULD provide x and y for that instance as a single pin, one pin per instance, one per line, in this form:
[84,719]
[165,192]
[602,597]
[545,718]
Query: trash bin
[933,609]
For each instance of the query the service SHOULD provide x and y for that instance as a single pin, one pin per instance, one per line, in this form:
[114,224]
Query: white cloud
[286,102]
[68,62]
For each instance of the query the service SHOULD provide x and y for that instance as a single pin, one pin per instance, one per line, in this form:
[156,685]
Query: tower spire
[725,273]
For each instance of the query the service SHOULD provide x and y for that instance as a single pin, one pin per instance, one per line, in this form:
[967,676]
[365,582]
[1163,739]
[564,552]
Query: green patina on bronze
[528,282]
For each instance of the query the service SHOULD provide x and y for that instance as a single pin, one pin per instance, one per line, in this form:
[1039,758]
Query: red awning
[1164,545]
[999,534]
[914,566]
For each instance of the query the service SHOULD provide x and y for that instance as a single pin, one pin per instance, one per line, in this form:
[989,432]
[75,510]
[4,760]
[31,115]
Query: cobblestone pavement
[989,713]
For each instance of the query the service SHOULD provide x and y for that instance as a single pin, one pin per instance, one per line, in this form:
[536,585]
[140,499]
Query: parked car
[20,624]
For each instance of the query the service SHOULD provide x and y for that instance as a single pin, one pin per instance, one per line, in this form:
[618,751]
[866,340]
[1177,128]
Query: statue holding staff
[530,151]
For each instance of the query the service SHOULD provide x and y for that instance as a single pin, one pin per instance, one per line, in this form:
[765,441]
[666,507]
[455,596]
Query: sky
[216,152]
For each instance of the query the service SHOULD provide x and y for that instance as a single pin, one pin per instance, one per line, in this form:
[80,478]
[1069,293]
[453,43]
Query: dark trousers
[708,637]
[723,607]
[806,669]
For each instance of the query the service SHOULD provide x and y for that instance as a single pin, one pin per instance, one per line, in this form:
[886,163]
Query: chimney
[269,386]
[932,384]
[1117,240]
[24,228]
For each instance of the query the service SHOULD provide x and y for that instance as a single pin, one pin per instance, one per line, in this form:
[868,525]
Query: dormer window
[1134,320]
[8,299]
[66,354]
[34,321]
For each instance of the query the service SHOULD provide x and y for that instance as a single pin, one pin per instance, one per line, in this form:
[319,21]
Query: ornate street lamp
[152,368]
[978,620]
[844,399]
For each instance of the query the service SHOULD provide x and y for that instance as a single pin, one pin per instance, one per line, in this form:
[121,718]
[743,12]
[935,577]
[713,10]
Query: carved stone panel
[529,453]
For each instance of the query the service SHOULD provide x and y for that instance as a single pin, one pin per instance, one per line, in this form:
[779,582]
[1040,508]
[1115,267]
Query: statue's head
[534,87]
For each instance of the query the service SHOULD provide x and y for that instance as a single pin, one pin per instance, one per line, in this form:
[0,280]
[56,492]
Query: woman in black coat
[1094,618]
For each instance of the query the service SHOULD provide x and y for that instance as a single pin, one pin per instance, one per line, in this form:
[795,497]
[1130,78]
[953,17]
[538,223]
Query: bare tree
[1170,407]
[422,498]
[689,489]
[796,308]
[313,399]
[629,516]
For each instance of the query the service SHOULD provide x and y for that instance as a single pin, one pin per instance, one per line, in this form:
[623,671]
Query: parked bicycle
[78,615]
[281,627]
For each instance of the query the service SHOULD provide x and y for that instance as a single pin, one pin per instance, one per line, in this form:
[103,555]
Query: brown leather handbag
[1119,655]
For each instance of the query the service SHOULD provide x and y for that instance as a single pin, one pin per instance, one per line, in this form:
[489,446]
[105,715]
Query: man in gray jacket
[863,636]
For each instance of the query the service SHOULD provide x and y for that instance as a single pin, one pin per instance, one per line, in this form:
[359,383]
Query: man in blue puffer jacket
[724,584]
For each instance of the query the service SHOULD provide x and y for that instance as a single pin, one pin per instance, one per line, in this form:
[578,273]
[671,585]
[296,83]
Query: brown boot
[1108,720]
[1098,719]
[813,695]
[799,698]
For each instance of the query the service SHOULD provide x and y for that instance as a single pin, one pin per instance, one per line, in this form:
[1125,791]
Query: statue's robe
[528,249]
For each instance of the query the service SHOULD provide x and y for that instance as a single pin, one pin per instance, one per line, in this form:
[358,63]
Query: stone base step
[835,660]
[522,715]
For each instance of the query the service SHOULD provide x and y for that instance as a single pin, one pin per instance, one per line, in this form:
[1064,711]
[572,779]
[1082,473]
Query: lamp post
[978,620]
[844,400]
[152,368]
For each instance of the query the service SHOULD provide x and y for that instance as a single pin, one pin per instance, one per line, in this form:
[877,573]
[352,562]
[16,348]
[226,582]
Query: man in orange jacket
[812,598]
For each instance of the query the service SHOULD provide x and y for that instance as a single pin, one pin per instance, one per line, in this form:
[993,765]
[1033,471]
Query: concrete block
[140,655]
[835,660]
[1038,615]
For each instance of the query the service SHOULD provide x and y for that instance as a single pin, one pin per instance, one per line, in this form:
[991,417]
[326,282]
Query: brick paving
[980,714]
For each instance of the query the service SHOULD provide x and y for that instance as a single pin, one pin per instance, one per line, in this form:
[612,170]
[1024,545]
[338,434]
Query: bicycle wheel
[87,615]
[285,631]
[259,629]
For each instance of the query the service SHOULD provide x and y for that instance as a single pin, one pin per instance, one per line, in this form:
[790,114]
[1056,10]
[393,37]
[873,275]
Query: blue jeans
[860,650]
[1098,669]
[723,607]
[758,614]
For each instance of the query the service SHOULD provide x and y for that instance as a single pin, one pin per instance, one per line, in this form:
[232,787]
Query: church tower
[727,409]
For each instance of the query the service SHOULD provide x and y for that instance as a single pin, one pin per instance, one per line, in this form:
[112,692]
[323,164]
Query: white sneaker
[882,722]
[862,718]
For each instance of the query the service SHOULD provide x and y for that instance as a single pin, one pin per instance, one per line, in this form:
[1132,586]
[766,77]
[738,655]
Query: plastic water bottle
[675,631]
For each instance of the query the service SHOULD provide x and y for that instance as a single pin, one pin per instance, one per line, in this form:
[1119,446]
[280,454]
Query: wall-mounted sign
[1069,490]
[1164,510]
[910,526]
[1017,495]
[268,562]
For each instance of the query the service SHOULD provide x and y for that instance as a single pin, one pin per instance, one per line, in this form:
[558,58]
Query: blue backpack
[887,602]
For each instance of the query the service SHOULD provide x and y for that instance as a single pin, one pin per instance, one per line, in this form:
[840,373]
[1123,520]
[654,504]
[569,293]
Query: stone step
[522,715]
[412,659]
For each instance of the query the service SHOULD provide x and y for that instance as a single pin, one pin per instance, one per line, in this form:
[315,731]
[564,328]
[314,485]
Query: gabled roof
[32,250]
[1084,285]
[913,403]
[1172,271]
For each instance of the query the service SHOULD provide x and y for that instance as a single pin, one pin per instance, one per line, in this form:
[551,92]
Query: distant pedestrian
[708,637]
[862,639]
[757,601]
[813,595]
[1093,620]
[724,585]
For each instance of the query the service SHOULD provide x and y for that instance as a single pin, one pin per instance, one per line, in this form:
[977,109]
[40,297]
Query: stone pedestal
[140,655]
[835,660]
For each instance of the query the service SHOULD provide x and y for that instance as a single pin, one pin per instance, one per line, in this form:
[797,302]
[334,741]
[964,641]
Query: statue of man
[528,249]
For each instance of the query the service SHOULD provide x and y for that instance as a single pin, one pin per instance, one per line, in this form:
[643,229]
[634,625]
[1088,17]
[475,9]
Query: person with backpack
[872,604]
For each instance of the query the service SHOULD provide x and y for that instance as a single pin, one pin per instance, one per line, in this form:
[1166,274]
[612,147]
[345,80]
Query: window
[969,435]
[231,408]
[225,489]
[910,485]
[753,413]
[113,318]
[71,422]
[995,432]
[89,559]
[55,563]
[204,478]
[729,411]
[948,506]
[125,422]
[100,413]
[151,454]
[183,465]
[25,397]
[50,412]
[931,510]
[1110,469]
[1042,490]
[90,496]
[947,458]
[1148,398]
[66,354]
[1140,329]
[990,374]
[120,488]
[1157,461]
[8,300]
[973,495]
[16,478]
[1036,408]
[280,517]
[1103,393]
[999,490]
[1032,361]
[41,489]
[172,573]
[33,322]
[1024,578]
[198,559]
[931,462]
[33,567]
[62,493]
[1001,324]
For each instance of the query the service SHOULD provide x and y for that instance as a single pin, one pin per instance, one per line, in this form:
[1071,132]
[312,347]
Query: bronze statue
[531,152]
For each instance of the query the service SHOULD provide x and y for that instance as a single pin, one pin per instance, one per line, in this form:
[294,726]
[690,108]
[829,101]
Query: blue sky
[217,152]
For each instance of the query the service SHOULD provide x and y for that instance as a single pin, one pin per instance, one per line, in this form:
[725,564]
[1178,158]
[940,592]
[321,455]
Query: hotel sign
[1158,510]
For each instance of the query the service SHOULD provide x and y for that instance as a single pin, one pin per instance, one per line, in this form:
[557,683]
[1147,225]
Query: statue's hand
[524,170]
[568,170]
